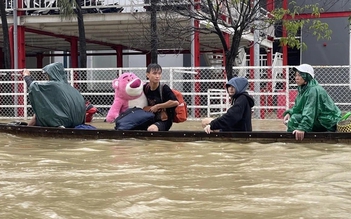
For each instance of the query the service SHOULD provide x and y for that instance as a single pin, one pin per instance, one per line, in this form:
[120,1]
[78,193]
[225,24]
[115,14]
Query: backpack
[181,111]
[134,119]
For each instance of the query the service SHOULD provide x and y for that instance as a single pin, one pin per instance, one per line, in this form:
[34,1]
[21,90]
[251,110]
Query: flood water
[61,178]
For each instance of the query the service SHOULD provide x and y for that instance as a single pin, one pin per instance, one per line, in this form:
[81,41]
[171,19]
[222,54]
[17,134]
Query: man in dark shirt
[159,97]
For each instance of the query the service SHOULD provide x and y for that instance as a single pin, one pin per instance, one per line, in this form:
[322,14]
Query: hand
[154,108]
[205,122]
[26,72]
[208,129]
[299,135]
[286,119]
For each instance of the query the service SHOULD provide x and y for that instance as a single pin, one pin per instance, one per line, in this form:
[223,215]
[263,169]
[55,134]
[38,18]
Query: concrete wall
[328,52]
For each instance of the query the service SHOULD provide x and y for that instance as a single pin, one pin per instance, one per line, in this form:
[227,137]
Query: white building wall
[110,61]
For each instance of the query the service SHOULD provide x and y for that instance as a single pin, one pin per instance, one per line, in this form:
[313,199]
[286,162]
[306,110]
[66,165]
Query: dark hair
[306,77]
[153,66]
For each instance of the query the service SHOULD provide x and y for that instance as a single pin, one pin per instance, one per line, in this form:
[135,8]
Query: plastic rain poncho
[314,110]
[55,102]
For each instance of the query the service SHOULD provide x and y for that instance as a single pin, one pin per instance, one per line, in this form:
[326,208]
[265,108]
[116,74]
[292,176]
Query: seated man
[314,110]
[55,102]
[159,97]
[238,116]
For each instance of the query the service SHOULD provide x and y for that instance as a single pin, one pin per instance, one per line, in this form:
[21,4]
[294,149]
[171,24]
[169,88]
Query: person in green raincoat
[314,110]
[55,102]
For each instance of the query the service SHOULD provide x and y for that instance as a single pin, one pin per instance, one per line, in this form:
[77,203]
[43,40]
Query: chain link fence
[273,88]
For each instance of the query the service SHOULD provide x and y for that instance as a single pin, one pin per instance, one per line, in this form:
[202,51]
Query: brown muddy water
[61,178]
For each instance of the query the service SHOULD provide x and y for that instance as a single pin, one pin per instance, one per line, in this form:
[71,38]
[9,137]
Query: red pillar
[21,47]
[270,7]
[74,52]
[285,47]
[2,89]
[197,64]
[74,59]
[227,41]
[21,39]
[197,44]
[285,63]
[269,77]
[264,99]
[40,58]
[20,6]
[196,60]
[11,45]
[21,52]
[21,58]
[252,63]
[21,65]
[119,54]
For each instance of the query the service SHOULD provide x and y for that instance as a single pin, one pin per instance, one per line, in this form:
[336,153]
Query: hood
[250,99]
[239,83]
[56,72]
[306,77]
[312,83]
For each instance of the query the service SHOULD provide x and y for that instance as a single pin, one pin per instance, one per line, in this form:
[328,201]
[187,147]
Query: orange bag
[181,111]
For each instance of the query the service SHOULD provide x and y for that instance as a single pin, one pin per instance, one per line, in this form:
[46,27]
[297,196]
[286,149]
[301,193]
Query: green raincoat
[55,102]
[314,110]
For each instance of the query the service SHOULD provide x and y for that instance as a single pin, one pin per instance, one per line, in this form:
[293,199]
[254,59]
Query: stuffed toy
[128,93]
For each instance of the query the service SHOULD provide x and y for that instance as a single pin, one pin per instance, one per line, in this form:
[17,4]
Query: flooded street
[62,178]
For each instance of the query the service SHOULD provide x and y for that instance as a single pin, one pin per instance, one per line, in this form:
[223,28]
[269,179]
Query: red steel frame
[197,62]
[270,6]
[74,48]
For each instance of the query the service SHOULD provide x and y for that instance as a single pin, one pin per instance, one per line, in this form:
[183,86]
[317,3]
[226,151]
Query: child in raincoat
[238,116]
[314,110]
[55,102]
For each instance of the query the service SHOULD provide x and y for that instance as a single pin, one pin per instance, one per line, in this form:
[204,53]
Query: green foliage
[293,26]
[67,8]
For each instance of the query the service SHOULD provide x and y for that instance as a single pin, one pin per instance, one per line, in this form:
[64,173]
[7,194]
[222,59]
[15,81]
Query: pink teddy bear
[128,93]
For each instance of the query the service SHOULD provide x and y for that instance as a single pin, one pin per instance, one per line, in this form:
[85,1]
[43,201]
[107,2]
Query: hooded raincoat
[238,116]
[314,110]
[55,102]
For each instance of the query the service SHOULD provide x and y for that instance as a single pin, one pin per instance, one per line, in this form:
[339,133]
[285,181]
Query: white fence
[221,97]
[203,88]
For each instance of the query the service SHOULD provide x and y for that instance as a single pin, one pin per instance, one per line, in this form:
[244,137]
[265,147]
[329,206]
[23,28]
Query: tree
[6,39]
[6,87]
[237,17]
[153,29]
[68,9]
[286,17]
[161,28]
